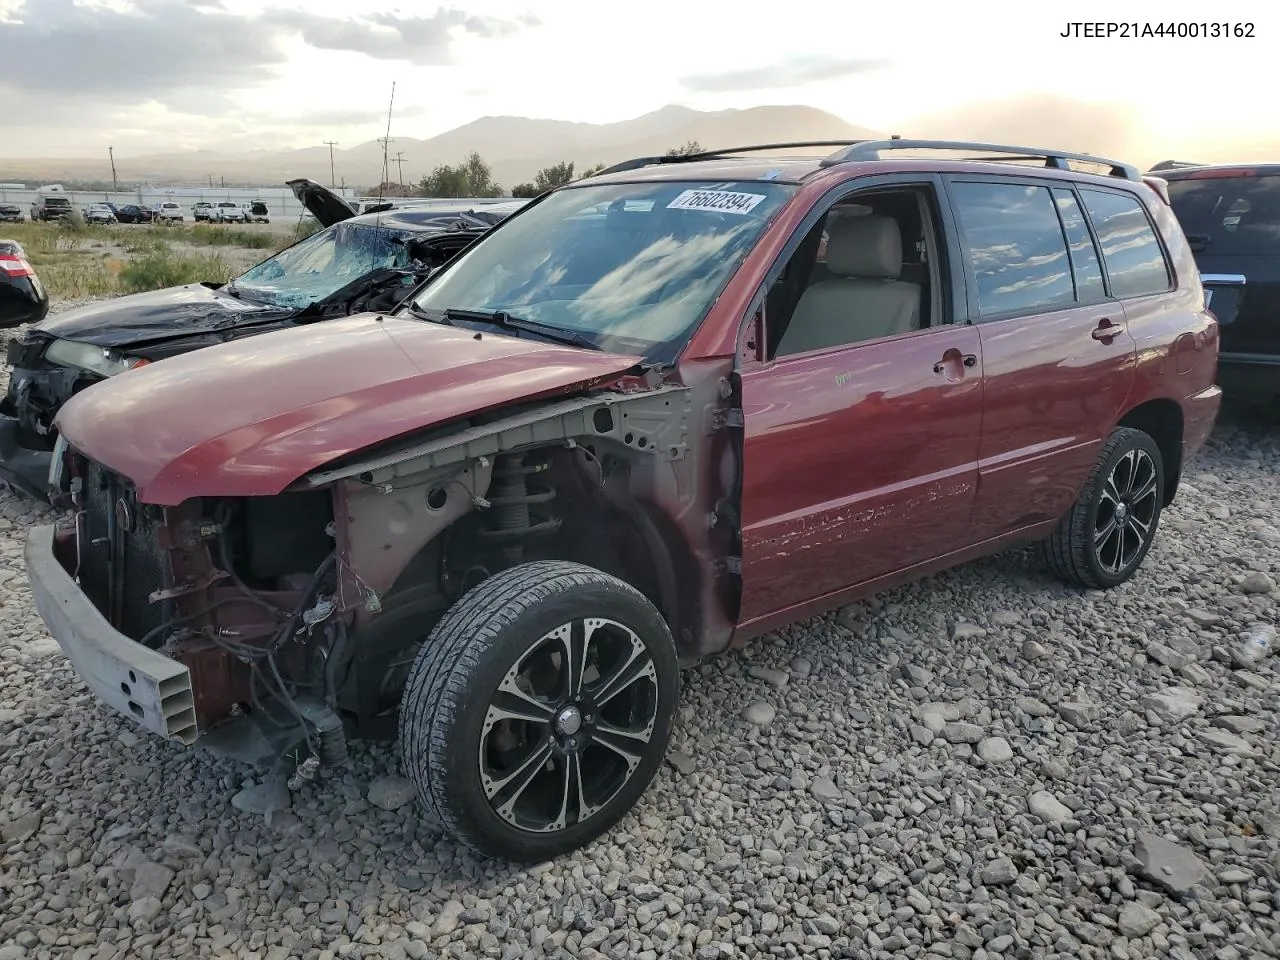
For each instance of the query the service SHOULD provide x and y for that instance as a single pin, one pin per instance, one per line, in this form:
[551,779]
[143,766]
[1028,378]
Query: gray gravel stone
[760,713]
[391,793]
[1256,581]
[1174,704]
[960,732]
[1170,865]
[995,750]
[1048,807]
[1239,725]
[268,797]
[1136,920]
[999,872]
[775,678]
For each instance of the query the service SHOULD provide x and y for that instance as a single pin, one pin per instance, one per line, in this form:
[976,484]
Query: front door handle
[952,357]
[1107,330]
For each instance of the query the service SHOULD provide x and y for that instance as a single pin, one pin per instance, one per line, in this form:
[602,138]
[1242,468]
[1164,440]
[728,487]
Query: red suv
[655,413]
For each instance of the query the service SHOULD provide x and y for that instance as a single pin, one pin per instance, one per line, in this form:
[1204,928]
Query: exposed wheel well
[1161,420]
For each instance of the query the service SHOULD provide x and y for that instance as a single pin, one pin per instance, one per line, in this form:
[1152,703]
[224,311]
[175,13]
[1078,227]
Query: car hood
[155,315]
[250,417]
[321,202]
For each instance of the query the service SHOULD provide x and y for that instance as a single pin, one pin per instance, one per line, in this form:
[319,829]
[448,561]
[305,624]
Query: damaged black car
[354,264]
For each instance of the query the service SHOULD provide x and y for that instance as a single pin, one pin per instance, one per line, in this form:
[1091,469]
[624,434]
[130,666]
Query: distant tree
[391,188]
[689,149]
[471,178]
[527,190]
[591,171]
[549,178]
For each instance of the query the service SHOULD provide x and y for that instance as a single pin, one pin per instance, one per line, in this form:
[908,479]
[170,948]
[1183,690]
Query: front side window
[627,267]
[1015,248]
[322,264]
[1130,249]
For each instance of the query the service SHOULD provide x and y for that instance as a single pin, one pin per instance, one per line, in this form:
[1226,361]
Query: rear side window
[1232,216]
[1016,248]
[1130,249]
[1084,255]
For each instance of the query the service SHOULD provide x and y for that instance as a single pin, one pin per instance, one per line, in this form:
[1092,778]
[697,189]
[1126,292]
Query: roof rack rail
[638,162]
[1057,159]
[1173,165]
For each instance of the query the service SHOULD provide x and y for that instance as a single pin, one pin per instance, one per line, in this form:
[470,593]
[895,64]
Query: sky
[154,76]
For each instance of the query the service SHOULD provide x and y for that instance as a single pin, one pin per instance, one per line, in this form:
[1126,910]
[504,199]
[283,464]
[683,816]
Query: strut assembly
[517,497]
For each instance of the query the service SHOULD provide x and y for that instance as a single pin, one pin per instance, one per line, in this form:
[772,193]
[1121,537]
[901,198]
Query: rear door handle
[1107,330]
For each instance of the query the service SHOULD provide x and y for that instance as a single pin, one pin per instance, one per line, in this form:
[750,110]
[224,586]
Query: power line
[399,162]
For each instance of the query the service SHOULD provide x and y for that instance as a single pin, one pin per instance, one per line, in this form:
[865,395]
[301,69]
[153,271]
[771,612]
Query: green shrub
[161,268]
[205,235]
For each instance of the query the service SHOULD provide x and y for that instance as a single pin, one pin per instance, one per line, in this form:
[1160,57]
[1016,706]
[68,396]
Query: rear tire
[539,710]
[1106,535]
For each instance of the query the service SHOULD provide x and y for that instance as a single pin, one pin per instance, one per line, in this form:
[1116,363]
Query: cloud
[791,72]
[420,40]
[165,49]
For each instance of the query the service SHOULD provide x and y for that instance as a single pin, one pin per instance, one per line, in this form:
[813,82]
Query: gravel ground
[983,765]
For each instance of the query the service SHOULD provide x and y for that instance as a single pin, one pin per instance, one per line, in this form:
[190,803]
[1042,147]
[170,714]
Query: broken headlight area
[83,356]
[246,593]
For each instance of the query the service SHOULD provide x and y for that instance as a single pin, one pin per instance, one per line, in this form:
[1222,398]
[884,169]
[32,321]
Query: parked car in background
[11,213]
[22,296]
[636,422]
[227,211]
[168,212]
[354,264]
[256,212]
[51,207]
[202,210]
[1231,215]
[99,213]
[135,213]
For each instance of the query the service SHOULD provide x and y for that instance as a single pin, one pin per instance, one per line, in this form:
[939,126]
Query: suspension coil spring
[517,500]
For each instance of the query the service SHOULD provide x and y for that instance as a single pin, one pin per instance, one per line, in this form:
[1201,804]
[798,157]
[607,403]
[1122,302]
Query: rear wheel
[1109,530]
[539,709]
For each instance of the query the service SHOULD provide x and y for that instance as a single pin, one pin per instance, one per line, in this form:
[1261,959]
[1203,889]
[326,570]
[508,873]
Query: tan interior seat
[865,299]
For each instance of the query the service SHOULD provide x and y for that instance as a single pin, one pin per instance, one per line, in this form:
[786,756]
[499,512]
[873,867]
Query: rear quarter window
[1131,251]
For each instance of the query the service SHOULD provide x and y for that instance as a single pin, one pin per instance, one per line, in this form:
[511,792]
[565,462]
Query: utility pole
[115,185]
[399,162]
[331,144]
[386,166]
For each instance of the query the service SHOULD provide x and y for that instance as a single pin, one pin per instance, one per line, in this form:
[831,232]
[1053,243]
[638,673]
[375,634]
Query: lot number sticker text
[717,201]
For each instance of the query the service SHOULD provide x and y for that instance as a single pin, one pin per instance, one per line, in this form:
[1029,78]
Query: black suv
[1231,216]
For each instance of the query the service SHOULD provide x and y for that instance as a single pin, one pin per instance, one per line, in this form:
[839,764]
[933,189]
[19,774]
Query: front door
[860,456]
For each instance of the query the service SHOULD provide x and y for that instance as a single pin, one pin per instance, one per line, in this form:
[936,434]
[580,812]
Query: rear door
[1232,221]
[1059,363]
[860,458]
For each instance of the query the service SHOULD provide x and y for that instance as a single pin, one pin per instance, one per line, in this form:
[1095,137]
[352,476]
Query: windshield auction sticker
[717,201]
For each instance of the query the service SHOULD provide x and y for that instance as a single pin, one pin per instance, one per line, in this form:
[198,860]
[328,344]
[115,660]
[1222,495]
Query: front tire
[539,710]
[1106,535]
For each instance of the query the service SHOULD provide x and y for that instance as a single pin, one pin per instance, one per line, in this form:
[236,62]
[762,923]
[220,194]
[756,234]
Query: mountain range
[517,147]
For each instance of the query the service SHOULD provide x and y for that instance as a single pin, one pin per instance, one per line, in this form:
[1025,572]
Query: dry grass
[75,261]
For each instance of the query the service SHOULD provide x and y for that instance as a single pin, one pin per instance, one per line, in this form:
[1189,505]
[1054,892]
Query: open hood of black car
[321,202]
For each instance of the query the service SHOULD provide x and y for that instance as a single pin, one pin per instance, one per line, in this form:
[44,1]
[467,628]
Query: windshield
[1233,216]
[322,263]
[630,267]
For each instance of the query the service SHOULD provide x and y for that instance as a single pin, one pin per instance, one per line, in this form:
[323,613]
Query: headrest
[865,247]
